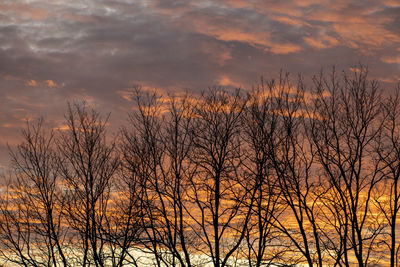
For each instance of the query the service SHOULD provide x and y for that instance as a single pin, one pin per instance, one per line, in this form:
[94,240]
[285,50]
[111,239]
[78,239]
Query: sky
[54,51]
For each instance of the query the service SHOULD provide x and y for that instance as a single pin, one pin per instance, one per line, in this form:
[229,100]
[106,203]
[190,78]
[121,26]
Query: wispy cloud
[54,51]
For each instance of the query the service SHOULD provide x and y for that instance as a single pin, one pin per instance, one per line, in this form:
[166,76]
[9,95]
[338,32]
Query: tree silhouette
[285,174]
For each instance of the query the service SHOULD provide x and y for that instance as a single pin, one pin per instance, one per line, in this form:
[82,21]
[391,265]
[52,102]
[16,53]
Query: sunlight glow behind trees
[284,174]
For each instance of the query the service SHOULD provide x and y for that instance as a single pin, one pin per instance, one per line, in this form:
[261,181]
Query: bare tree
[31,228]
[88,165]
[123,224]
[388,149]
[292,159]
[156,150]
[348,120]
[221,205]
[260,122]
[279,176]
[177,175]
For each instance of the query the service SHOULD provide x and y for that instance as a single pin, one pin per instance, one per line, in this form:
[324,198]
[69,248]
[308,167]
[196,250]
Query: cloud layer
[52,51]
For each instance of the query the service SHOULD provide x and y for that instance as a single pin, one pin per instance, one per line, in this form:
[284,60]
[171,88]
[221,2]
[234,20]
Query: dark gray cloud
[54,51]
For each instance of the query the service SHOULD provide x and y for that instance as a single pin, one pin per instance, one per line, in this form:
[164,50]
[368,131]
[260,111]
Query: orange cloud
[389,79]
[62,127]
[127,95]
[26,11]
[391,60]
[226,81]
[321,43]
[232,34]
[356,30]
[219,53]
[9,125]
[289,20]
[358,35]
[392,3]
[355,69]
[50,83]
[285,48]
[266,7]
[32,83]
[225,56]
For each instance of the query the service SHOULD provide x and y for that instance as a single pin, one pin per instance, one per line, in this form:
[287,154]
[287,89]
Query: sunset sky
[58,50]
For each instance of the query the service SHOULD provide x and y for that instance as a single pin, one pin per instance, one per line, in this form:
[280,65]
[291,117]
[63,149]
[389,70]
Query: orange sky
[54,51]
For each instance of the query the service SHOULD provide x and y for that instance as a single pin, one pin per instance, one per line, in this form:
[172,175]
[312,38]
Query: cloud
[226,81]
[31,83]
[50,83]
[321,42]
[24,11]
[57,51]
[391,60]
